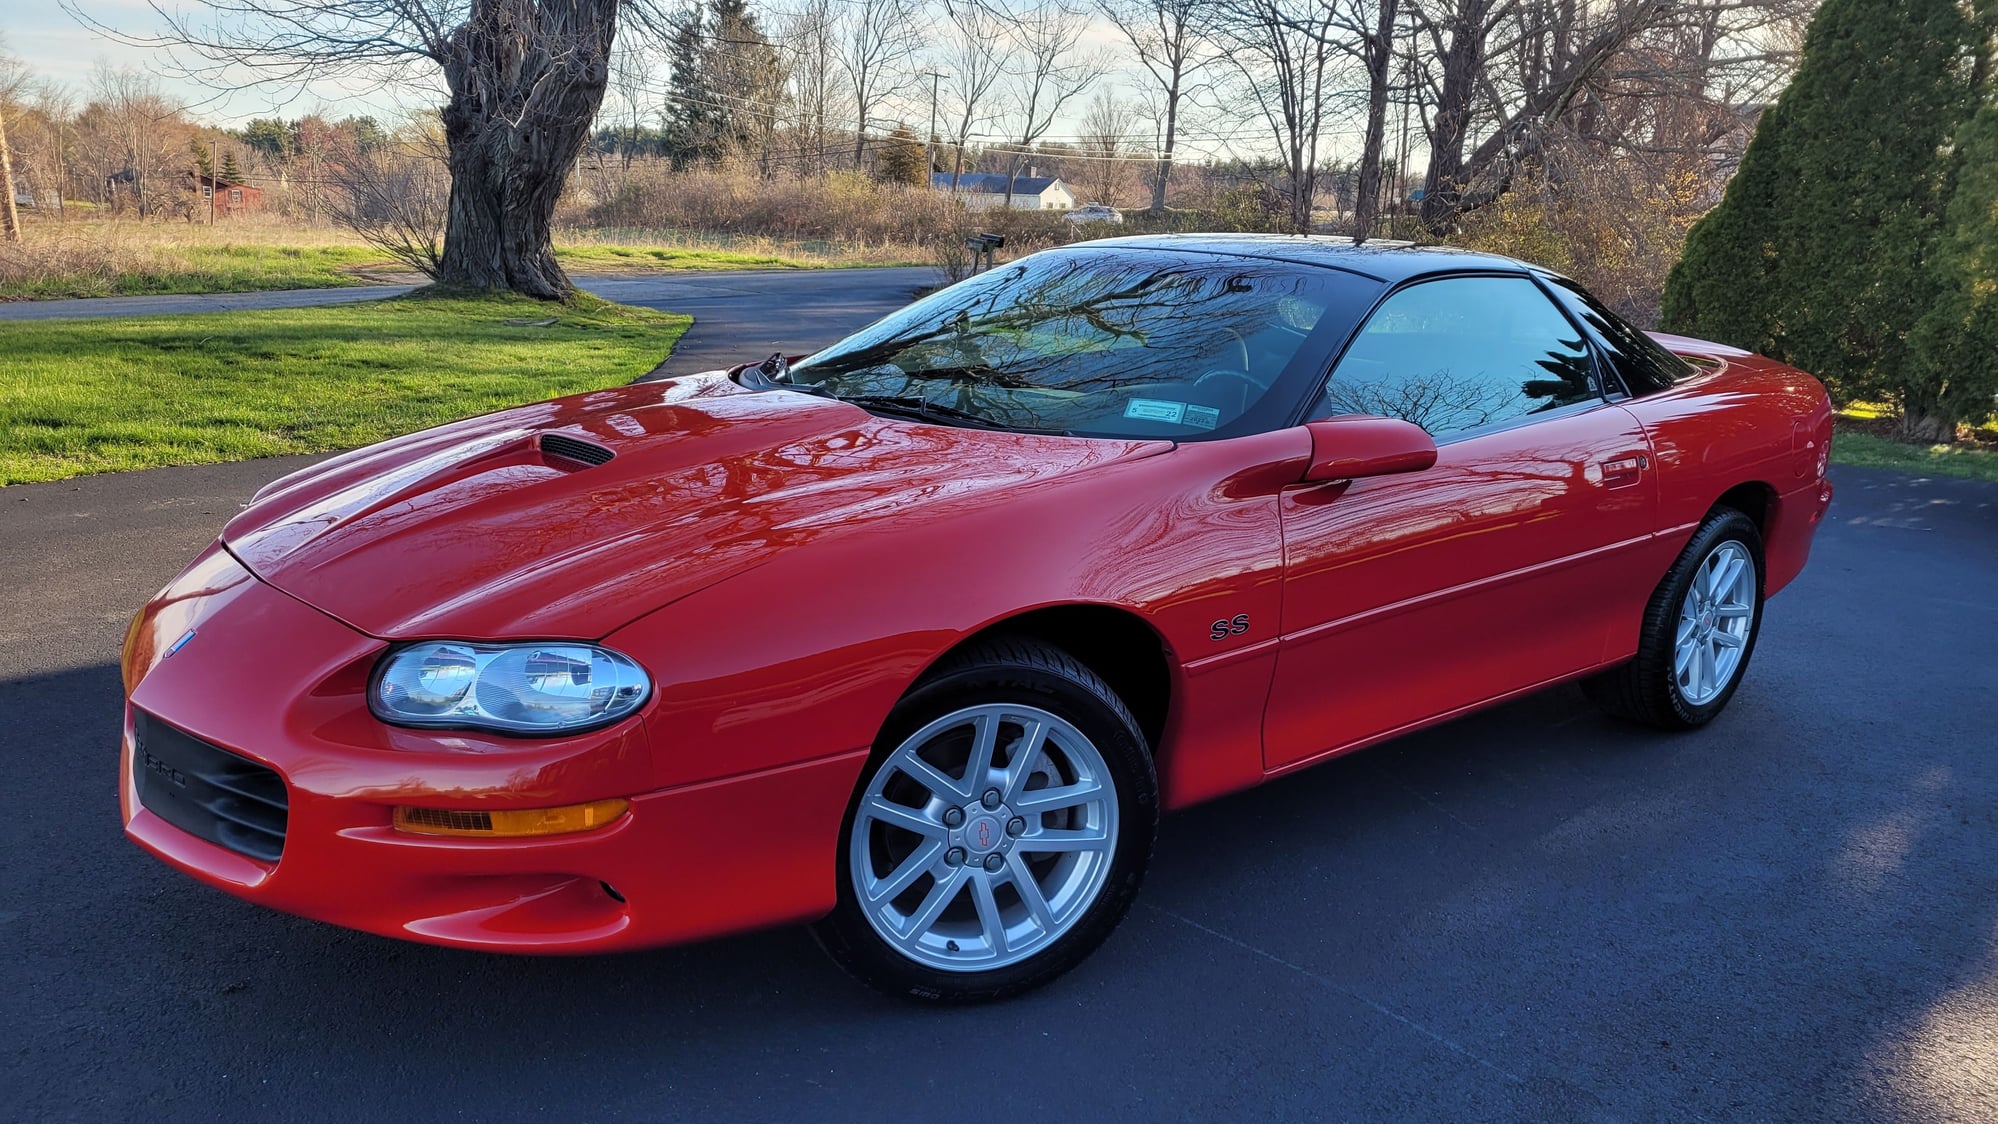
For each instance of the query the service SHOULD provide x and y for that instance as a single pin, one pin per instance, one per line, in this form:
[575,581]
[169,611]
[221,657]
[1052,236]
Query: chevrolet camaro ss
[914,638]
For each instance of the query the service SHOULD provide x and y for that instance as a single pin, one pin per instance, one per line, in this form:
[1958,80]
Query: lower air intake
[207,791]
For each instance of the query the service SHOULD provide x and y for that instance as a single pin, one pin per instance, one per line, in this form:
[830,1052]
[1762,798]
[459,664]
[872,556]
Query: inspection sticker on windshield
[1176,413]
[1156,409]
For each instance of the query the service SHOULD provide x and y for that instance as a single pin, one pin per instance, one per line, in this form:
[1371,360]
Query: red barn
[230,197]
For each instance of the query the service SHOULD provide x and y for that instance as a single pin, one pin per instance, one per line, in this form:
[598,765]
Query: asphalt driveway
[1534,913]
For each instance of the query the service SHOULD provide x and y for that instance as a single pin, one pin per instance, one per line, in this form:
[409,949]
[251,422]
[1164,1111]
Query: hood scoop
[574,449]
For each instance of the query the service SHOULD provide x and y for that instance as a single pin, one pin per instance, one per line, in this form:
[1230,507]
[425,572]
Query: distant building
[981,190]
[231,198]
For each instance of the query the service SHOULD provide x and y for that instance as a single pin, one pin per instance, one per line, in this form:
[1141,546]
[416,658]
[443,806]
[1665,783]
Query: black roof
[1381,260]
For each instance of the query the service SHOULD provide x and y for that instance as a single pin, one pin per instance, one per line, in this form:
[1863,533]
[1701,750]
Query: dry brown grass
[105,257]
[843,218]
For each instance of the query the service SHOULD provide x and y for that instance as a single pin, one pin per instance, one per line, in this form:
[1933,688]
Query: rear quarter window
[1643,364]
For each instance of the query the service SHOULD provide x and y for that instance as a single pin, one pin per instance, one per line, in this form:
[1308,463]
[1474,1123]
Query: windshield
[1111,343]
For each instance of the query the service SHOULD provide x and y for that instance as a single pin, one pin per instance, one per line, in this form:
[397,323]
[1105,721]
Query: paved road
[1530,914]
[738,315]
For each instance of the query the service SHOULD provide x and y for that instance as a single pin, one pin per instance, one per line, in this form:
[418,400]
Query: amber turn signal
[511,824]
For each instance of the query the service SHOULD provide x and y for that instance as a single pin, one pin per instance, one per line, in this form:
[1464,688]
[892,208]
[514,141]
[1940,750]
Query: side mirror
[1358,445]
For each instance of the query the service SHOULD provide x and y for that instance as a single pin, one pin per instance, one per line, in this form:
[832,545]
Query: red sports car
[914,638]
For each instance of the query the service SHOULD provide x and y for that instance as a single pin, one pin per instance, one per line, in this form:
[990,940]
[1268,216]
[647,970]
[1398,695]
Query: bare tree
[1371,27]
[525,78]
[11,81]
[1283,52]
[1104,126]
[809,41]
[620,125]
[1173,40]
[1505,81]
[137,138]
[395,196]
[875,41]
[43,132]
[1053,71]
[972,61]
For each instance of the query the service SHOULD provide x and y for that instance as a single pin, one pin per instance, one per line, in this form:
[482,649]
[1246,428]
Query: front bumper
[685,863]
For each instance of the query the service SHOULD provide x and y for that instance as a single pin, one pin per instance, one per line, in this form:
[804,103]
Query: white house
[982,190]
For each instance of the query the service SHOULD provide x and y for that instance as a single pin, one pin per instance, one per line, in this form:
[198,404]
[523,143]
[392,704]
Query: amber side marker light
[565,820]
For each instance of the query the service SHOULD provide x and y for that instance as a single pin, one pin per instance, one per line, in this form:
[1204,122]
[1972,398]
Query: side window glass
[1462,353]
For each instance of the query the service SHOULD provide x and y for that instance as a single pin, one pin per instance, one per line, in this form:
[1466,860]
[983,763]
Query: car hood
[486,528]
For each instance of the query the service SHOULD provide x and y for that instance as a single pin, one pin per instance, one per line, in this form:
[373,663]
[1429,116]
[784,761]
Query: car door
[1411,597]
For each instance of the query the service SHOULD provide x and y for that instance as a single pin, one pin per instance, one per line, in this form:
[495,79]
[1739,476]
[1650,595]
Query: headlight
[554,687]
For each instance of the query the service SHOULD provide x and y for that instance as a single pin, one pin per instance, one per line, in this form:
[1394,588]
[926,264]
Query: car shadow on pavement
[1530,909]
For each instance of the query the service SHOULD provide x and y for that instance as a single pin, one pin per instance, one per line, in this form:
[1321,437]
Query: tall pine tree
[727,83]
[1816,254]
[691,121]
[1952,370]
[902,159]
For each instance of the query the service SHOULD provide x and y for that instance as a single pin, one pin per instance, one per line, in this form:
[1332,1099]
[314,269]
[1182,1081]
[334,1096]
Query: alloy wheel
[983,837]
[1715,621]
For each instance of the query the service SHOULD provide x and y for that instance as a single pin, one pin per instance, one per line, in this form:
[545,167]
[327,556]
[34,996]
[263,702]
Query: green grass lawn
[1850,446]
[85,396]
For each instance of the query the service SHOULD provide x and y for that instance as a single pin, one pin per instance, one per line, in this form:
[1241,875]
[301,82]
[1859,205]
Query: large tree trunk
[1463,63]
[1926,417]
[1379,54]
[10,221]
[526,80]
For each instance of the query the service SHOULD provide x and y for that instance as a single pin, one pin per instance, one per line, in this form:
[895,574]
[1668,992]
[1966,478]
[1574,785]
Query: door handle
[1621,471]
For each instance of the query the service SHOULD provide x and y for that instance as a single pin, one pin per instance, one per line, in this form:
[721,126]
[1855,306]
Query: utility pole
[1401,149]
[930,141]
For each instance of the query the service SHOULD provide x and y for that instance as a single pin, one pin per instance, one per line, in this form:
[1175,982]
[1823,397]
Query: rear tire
[949,895]
[1699,631]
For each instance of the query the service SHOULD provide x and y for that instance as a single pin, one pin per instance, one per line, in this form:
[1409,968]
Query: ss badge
[1228,626]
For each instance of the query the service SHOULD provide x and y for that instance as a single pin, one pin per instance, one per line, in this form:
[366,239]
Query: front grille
[574,448]
[207,791]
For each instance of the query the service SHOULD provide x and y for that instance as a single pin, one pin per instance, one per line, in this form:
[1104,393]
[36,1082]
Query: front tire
[1699,631]
[1000,833]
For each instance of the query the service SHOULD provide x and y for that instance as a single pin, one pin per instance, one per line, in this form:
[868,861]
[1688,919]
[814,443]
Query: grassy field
[85,396]
[101,258]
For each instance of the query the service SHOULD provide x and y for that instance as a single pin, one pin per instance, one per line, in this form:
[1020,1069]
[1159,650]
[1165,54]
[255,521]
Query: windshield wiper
[909,405]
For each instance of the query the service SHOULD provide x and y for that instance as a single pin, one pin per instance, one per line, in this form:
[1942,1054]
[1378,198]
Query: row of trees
[122,145]
[1477,92]
[1860,239]
[1474,91]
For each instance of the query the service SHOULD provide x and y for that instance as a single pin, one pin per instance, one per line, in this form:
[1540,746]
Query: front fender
[804,657]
